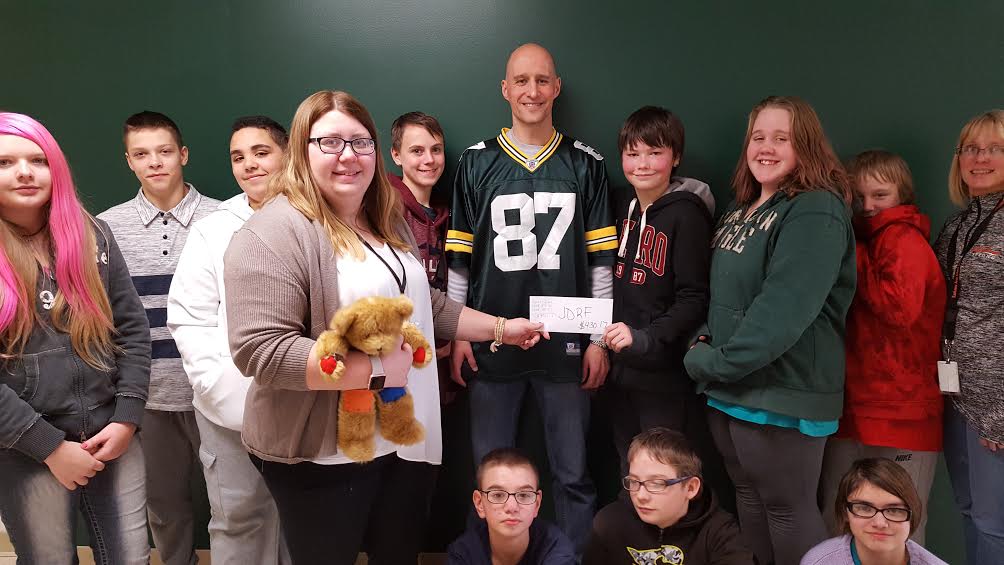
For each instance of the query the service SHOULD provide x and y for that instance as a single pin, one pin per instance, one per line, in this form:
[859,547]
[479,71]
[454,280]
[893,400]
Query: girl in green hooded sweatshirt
[771,359]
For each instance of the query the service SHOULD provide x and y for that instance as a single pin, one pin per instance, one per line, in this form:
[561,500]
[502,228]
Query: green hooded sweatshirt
[781,283]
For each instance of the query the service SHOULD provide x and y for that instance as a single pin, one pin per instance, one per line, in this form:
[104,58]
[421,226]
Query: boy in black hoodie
[671,518]
[660,282]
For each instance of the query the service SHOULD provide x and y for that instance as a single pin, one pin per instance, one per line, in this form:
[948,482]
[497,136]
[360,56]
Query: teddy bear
[372,325]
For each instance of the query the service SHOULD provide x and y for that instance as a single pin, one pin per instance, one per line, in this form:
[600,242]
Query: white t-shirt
[370,277]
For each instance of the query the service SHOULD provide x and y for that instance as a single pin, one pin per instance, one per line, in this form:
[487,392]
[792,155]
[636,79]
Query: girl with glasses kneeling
[877,508]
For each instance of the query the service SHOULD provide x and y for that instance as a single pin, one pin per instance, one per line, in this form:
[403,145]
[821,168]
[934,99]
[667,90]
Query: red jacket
[893,331]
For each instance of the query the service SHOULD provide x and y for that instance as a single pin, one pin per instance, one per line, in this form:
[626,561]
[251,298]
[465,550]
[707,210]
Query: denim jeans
[564,409]
[976,474]
[40,514]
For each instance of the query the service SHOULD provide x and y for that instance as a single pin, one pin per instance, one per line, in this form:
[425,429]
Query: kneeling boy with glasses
[671,518]
[507,500]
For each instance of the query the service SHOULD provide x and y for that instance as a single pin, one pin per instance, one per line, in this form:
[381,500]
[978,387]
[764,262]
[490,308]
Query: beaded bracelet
[499,330]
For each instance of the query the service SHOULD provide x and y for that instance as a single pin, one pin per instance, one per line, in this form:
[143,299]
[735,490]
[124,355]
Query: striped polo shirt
[151,241]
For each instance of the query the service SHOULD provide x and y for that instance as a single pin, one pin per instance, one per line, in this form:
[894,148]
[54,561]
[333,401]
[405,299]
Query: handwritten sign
[566,314]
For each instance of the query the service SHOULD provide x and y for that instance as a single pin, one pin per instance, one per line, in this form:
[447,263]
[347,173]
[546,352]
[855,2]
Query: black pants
[633,411]
[776,472]
[329,513]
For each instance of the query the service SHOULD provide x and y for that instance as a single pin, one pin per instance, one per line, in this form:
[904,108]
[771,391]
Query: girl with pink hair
[74,364]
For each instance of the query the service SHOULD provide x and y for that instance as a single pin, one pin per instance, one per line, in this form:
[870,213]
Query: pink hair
[66,226]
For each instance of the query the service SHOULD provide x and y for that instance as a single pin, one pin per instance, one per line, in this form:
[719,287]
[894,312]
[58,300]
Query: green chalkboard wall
[899,75]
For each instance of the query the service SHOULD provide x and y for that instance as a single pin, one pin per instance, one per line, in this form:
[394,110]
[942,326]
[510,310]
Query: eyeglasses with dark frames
[653,486]
[336,145]
[892,513]
[499,496]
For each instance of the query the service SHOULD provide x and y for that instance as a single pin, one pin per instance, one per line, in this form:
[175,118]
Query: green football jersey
[530,226]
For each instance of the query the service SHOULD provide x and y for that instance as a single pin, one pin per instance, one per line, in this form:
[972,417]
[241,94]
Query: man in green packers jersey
[531,217]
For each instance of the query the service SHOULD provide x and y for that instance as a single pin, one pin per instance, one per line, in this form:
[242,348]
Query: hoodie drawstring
[641,231]
[627,230]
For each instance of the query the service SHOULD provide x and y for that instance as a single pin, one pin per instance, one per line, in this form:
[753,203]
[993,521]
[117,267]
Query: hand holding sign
[569,314]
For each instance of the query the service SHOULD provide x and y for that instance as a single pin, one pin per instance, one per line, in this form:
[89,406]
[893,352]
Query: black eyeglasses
[652,485]
[865,510]
[335,145]
[498,496]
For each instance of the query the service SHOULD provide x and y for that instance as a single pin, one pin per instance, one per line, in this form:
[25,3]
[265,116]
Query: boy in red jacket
[892,404]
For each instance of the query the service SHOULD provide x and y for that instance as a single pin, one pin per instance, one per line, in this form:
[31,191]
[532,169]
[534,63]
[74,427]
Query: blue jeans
[564,409]
[976,474]
[40,514]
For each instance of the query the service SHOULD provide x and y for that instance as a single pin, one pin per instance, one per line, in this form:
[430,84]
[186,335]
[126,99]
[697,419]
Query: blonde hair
[381,205]
[886,167]
[957,189]
[818,167]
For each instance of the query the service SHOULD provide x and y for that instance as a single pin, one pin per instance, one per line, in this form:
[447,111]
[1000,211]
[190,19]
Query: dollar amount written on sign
[566,314]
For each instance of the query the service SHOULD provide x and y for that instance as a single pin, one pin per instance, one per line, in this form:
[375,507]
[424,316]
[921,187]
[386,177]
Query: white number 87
[547,257]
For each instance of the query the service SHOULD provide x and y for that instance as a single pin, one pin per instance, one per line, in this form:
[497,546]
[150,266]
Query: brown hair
[886,167]
[381,204]
[151,120]
[881,473]
[506,457]
[655,127]
[420,119]
[818,167]
[957,189]
[668,447]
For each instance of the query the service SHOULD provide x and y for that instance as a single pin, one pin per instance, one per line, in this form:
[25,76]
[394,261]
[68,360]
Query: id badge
[948,377]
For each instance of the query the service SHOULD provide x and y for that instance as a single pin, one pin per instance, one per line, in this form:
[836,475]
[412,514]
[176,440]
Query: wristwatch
[378,377]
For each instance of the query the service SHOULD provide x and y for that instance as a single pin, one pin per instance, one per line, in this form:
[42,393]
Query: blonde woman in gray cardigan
[332,233]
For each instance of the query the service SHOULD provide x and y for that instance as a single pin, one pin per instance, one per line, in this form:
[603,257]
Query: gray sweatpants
[244,527]
[776,474]
[171,451]
[840,453]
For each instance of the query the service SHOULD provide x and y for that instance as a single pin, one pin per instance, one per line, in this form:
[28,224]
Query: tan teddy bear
[372,325]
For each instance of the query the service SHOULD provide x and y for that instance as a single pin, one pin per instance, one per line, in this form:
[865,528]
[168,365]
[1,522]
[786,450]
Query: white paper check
[566,314]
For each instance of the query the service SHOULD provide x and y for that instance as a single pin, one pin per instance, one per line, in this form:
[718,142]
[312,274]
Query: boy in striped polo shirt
[151,230]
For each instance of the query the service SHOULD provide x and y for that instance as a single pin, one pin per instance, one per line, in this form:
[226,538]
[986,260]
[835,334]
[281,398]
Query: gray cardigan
[282,289]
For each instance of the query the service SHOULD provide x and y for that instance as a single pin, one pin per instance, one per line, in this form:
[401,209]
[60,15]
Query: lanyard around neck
[402,281]
[968,241]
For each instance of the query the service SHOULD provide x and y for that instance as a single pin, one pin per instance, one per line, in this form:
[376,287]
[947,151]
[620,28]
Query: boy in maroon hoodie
[892,404]
[417,147]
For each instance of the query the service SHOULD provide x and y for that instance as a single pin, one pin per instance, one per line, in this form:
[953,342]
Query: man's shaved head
[530,86]
[529,50]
